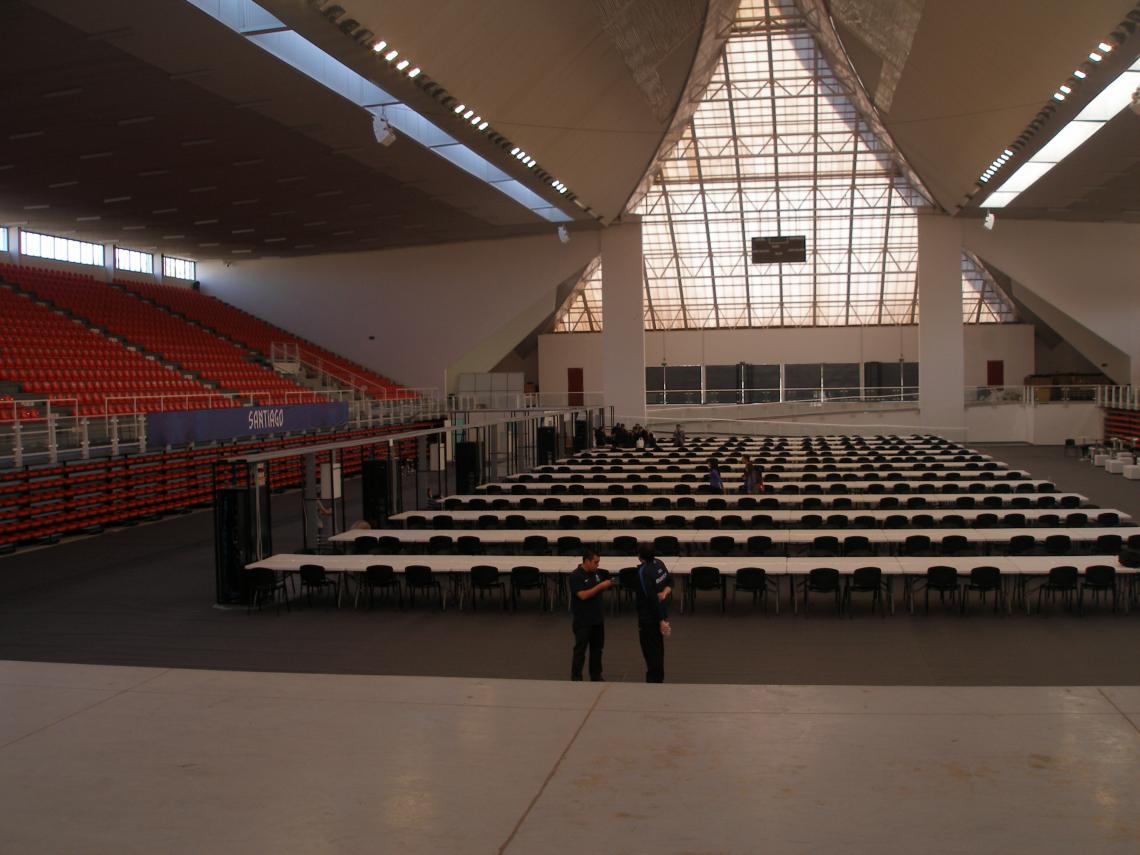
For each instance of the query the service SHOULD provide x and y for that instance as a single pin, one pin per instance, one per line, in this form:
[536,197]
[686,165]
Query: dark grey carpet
[144,596]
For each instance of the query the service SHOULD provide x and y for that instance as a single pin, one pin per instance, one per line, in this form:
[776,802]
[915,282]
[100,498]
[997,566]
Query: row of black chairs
[775,475]
[568,521]
[269,586]
[876,487]
[744,503]
[729,465]
[727,545]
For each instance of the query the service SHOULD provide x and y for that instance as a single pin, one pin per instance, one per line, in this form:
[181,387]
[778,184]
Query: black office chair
[722,545]
[569,545]
[1058,544]
[705,579]
[364,544]
[1061,580]
[419,577]
[956,544]
[916,544]
[942,579]
[822,580]
[264,584]
[315,578]
[443,521]
[865,580]
[666,545]
[857,545]
[824,546]
[1098,578]
[469,544]
[569,521]
[536,544]
[757,582]
[485,578]
[384,578]
[626,588]
[984,580]
[624,544]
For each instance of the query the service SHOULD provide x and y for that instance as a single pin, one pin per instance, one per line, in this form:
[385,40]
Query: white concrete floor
[97,759]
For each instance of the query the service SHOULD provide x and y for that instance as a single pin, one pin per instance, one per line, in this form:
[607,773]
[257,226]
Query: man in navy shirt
[653,588]
[586,588]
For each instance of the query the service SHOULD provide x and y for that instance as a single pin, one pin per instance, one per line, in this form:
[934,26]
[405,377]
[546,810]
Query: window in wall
[179,268]
[583,310]
[654,384]
[682,384]
[802,381]
[841,381]
[891,381]
[761,384]
[133,260]
[37,245]
[723,384]
[3,239]
[983,302]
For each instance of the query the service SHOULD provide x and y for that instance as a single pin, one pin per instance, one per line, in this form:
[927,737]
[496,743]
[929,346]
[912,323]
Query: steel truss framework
[777,148]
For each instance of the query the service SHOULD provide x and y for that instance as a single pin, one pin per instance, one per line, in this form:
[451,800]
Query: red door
[574,387]
[995,372]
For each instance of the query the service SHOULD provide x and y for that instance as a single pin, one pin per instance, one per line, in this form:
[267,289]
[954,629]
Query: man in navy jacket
[653,588]
[586,587]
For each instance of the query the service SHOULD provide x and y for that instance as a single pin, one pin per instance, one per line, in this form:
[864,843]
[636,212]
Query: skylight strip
[302,55]
[1096,114]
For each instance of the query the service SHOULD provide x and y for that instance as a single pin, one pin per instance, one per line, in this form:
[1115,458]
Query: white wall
[1012,343]
[1087,271]
[431,310]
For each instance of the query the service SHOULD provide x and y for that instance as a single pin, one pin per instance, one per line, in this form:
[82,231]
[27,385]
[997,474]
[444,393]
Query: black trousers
[592,636]
[653,649]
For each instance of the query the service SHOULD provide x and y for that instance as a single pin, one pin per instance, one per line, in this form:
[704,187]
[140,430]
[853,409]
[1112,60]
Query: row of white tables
[777,516]
[779,537]
[858,500]
[670,486]
[908,568]
[785,476]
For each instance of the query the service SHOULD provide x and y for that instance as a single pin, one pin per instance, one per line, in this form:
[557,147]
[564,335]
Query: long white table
[729,476]
[906,466]
[859,500]
[597,537]
[784,517]
[775,566]
[670,486]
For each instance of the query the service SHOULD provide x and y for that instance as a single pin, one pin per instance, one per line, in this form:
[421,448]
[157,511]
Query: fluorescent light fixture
[1065,89]
[1095,57]
[1105,47]
[1008,153]
[1065,142]
[515,150]
[1058,96]
[1080,75]
[400,66]
[469,114]
[1111,100]
[277,38]
[460,108]
[476,120]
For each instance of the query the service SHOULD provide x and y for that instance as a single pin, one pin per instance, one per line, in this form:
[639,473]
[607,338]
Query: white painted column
[623,323]
[941,351]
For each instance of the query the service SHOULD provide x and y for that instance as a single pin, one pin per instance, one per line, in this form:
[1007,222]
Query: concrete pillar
[941,351]
[623,323]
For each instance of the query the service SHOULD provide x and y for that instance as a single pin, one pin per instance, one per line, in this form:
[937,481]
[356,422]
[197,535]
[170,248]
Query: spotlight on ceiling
[1135,105]
[563,235]
[989,221]
[383,131]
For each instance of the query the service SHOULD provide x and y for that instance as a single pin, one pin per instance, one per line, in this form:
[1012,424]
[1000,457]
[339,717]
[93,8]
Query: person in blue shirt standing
[714,476]
[653,588]
[586,587]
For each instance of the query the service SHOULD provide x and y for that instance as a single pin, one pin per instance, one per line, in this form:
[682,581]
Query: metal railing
[492,400]
[1030,395]
[782,395]
[1118,397]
